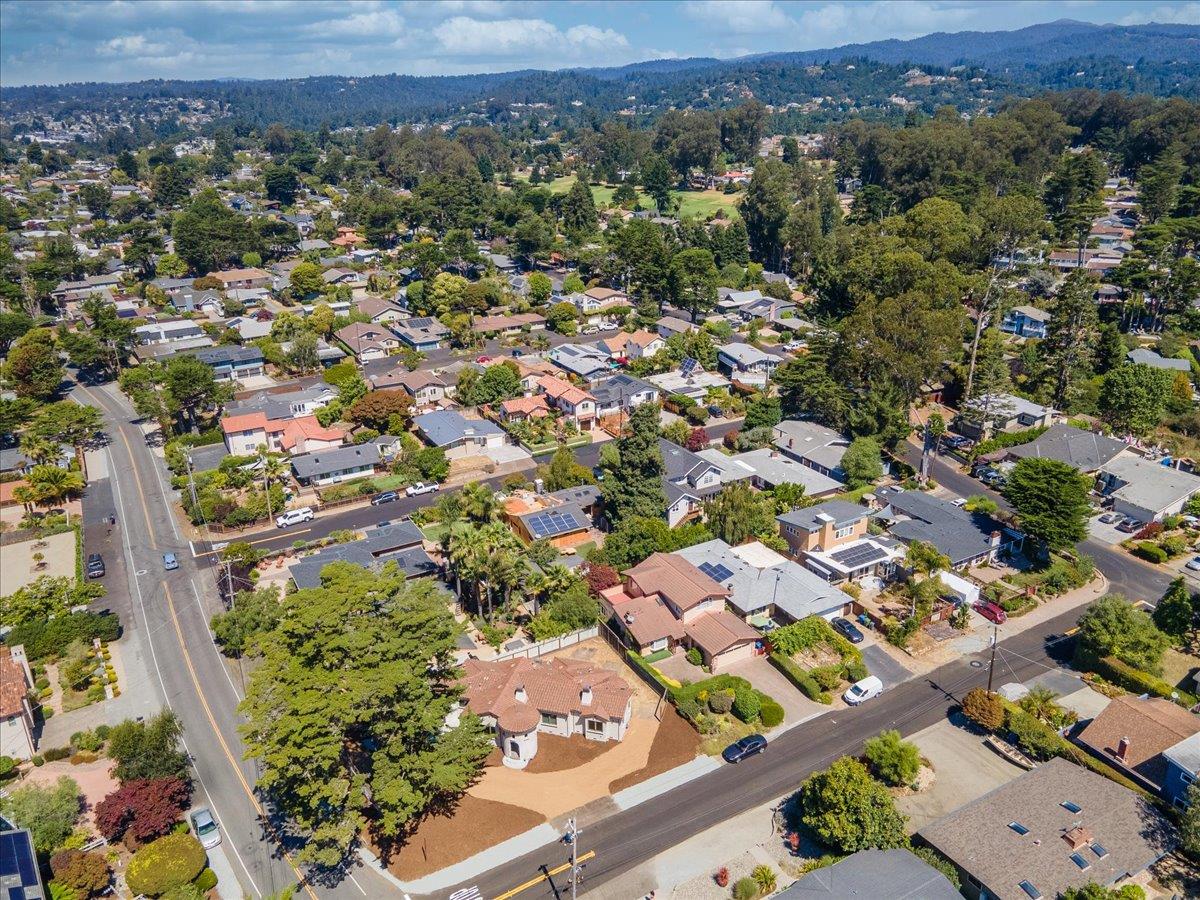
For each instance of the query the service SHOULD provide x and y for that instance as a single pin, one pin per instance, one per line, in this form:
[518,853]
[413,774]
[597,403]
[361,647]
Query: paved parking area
[766,678]
[881,664]
[1107,533]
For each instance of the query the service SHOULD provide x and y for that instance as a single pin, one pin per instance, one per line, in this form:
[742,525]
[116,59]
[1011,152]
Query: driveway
[880,663]
[766,678]
[964,770]
[1107,533]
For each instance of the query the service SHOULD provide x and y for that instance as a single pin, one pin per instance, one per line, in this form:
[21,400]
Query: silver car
[206,828]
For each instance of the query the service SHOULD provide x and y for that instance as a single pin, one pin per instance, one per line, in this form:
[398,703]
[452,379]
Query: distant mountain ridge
[1166,59]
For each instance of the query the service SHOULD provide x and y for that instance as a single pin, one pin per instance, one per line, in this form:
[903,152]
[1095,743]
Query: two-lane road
[170,611]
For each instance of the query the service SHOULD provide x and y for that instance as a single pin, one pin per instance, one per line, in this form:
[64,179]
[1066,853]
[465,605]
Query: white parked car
[206,828]
[1193,564]
[294,517]
[415,490]
[959,502]
[862,691]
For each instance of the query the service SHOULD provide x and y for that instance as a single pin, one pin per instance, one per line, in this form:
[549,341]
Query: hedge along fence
[800,677]
[808,634]
[1006,439]
[1040,741]
[1138,682]
[684,696]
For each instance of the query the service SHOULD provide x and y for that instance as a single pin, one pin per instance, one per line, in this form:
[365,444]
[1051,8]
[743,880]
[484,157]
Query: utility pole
[572,838]
[191,481]
[992,665]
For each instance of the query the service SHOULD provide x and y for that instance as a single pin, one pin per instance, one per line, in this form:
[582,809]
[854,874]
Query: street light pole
[572,838]
[992,665]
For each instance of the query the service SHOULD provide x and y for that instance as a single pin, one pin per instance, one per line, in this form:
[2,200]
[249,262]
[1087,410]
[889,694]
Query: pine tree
[579,210]
[632,483]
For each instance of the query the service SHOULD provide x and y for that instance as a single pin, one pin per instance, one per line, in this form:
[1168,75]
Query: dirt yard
[94,780]
[676,743]
[556,754]
[473,825]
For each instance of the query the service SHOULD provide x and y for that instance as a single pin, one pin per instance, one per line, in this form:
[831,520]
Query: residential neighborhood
[744,474]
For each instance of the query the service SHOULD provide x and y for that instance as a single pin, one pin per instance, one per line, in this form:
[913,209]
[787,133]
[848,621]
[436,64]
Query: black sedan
[95,565]
[847,629]
[746,747]
[385,497]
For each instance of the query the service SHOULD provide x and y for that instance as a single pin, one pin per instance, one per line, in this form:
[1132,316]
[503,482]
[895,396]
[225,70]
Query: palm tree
[26,496]
[479,503]
[550,581]
[1039,702]
[273,469]
[53,485]
[506,570]
[39,448]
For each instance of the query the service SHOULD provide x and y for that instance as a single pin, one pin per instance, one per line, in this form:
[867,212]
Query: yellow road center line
[539,879]
[187,658]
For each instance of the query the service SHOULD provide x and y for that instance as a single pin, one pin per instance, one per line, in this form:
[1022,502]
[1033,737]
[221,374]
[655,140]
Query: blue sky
[49,42]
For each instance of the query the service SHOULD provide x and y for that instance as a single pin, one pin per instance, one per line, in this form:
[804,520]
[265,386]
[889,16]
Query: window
[1187,777]
[1018,828]
[1071,806]
[594,726]
[1028,888]
[1099,850]
[844,532]
[550,719]
[1078,859]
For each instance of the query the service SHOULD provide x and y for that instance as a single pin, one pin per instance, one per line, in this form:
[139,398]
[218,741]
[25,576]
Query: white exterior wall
[240,443]
[733,655]
[16,736]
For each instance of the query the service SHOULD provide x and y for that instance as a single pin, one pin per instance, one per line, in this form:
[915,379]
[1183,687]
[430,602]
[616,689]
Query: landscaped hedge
[1151,552]
[801,678]
[1138,682]
[1006,439]
[167,863]
[45,639]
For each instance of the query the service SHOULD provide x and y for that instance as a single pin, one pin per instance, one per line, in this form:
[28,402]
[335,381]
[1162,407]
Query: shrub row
[801,678]
[44,639]
[1006,439]
[1138,682]
[1151,552]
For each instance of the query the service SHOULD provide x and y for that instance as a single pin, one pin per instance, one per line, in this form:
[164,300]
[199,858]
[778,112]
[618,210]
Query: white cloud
[133,45]
[1175,14]
[462,35]
[384,23]
[834,24]
[740,16]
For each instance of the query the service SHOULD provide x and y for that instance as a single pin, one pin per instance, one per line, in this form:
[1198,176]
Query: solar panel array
[856,557]
[18,869]
[716,572]
[548,524]
[688,366]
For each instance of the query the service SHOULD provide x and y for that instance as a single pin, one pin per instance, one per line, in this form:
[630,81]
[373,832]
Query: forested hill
[1154,59]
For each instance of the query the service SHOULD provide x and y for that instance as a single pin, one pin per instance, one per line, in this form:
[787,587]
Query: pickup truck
[415,490]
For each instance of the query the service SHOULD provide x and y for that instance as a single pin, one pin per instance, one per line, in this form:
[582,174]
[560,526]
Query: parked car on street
[294,517]
[847,629]
[744,748]
[1193,564]
[95,565]
[415,490]
[991,611]
[385,497]
[170,562]
[206,828]
[483,359]
[862,691]
[959,502]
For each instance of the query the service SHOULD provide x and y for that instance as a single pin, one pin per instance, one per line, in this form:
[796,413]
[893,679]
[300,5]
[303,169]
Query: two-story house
[621,393]
[1025,321]
[987,414]
[832,540]
[367,341]
[813,445]
[688,480]
[637,345]
[574,403]
[246,432]
[243,278]
[422,334]
[746,364]
[231,363]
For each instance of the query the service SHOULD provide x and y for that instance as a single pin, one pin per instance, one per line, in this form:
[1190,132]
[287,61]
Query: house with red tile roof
[573,402]
[245,433]
[518,409]
[521,697]
[16,712]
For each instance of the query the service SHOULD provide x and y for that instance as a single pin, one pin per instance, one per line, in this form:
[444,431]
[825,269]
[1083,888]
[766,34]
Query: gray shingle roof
[958,534]
[977,836]
[445,427]
[841,512]
[1082,449]
[1142,356]
[399,543]
[895,874]
[314,465]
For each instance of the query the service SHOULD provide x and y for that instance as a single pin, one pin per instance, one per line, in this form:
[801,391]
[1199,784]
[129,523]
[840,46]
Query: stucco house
[519,698]
[16,712]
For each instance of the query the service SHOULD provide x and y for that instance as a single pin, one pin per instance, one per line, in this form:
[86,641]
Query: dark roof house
[964,537]
[895,874]
[399,542]
[1084,450]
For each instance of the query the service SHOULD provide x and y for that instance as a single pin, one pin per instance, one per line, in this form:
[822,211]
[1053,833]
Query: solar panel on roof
[716,572]
[547,524]
[855,557]
[688,366]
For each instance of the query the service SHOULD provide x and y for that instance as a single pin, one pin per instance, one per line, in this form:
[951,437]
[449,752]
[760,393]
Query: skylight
[1018,828]
[1080,861]
[1071,806]
[1099,850]
[1033,892]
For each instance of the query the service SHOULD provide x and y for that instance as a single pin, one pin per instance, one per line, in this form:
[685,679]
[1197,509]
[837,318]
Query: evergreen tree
[1051,500]
[632,483]
[1071,336]
[579,214]
[1176,611]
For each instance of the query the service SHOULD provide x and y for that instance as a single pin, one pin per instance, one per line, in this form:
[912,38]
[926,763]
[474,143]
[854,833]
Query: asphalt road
[169,611]
[626,839]
[360,517]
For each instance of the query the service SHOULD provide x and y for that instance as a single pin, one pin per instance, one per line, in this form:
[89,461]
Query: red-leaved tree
[697,440]
[600,577]
[143,809]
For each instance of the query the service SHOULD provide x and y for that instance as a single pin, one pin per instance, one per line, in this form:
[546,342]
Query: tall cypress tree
[633,474]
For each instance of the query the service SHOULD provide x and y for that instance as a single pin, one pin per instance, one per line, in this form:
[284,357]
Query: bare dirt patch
[445,839]
[675,744]
[556,753]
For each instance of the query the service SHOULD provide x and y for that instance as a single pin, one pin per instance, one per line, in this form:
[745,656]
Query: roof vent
[1077,837]
[519,694]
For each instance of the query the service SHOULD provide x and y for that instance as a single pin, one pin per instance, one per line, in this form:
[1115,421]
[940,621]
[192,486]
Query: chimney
[538,485]
[519,694]
[585,695]
[1077,837]
[1122,749]
[995,539]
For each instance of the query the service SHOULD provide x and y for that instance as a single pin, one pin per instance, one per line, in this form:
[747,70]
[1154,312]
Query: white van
[294,517]
[862,691]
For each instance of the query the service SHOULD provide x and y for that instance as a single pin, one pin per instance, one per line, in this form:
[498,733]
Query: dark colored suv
[95,565]
[847,629]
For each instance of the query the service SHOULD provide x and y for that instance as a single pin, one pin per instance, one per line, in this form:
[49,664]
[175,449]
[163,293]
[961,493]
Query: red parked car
[991,611]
